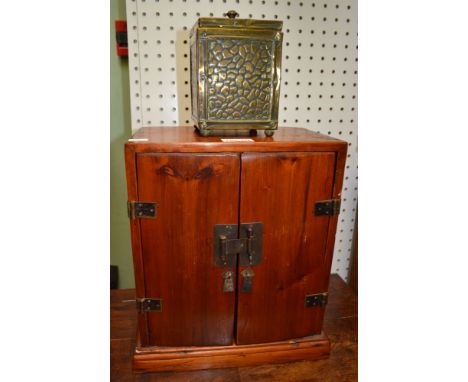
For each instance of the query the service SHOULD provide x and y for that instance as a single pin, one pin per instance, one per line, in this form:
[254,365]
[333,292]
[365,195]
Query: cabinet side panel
[193,192]
[280,190]
[132,194]
[332,227]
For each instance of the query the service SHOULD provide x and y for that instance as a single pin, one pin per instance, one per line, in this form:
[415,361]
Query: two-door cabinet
[232,245]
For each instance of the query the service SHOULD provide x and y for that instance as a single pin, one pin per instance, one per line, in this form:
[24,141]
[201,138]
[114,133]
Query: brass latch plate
[313,300]
[141,210]
[227,244]
[327,207]
[149,304]
[223,256]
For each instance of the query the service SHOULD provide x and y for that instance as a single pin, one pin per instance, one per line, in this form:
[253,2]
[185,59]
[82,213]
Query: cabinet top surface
[186,138]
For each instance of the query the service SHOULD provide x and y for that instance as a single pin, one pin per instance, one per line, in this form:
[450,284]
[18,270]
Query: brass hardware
[249,244]
[252,233]
[227,245]
[223,245]
[314,300]
[141,210]
[225,236]
[235,68]
[228,283]
[231,14]
[327,207]
[247,280]
[149,304]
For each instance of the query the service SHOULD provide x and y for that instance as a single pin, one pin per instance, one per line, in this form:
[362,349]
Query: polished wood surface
[280,190]
[340,163]
[194,192]
[138,267]
[186,139]
[199,182]
[340,324]
[199,358]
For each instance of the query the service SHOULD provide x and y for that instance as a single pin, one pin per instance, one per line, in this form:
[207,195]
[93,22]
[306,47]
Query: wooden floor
[341,325]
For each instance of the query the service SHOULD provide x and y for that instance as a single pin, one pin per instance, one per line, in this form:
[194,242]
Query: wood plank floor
[341,325]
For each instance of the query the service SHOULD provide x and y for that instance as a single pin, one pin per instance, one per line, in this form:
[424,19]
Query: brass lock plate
[227,244]
[230,232]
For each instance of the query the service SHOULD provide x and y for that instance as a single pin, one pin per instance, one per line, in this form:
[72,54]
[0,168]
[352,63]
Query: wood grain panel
[332,226]
[194,192]
[138,267]
[280,190]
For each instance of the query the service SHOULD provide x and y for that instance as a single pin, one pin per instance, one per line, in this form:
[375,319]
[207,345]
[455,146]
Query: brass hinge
[313,300]
[149,304]
[327,207]
[141,210]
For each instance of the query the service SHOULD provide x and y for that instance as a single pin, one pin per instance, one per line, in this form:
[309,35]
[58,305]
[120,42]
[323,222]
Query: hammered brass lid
[232,22]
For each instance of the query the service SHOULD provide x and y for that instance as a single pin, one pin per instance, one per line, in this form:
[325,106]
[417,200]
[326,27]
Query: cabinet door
[193,192]
[280,190]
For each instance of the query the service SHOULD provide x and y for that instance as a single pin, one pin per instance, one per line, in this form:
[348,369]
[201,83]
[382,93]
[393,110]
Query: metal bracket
[149,304]
[313,300]
[327,207]
[227,245]
[142,210]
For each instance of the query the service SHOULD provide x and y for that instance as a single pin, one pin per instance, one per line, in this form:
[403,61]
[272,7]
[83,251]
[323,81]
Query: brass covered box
[235,74]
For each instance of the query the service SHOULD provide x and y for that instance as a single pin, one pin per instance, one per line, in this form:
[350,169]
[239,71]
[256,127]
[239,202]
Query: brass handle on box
[231,14]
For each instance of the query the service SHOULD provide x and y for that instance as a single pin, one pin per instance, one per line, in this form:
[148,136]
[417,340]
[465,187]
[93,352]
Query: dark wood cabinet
[232,253]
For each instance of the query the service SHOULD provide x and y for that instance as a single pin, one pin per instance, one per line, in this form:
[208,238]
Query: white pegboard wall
[319,74]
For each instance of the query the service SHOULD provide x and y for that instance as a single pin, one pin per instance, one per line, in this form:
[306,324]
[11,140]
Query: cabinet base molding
[157,359]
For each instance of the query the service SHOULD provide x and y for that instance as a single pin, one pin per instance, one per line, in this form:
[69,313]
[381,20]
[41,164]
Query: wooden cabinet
[233,260]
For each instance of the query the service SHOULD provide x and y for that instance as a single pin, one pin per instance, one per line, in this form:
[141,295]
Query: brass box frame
[266,35]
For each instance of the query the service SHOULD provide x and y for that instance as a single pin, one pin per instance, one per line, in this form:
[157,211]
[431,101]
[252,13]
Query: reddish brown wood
[138,267]
[194,192]
[340,324]
[280,190]
[196,181]
[337,186]
[185,139]
[315,347]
